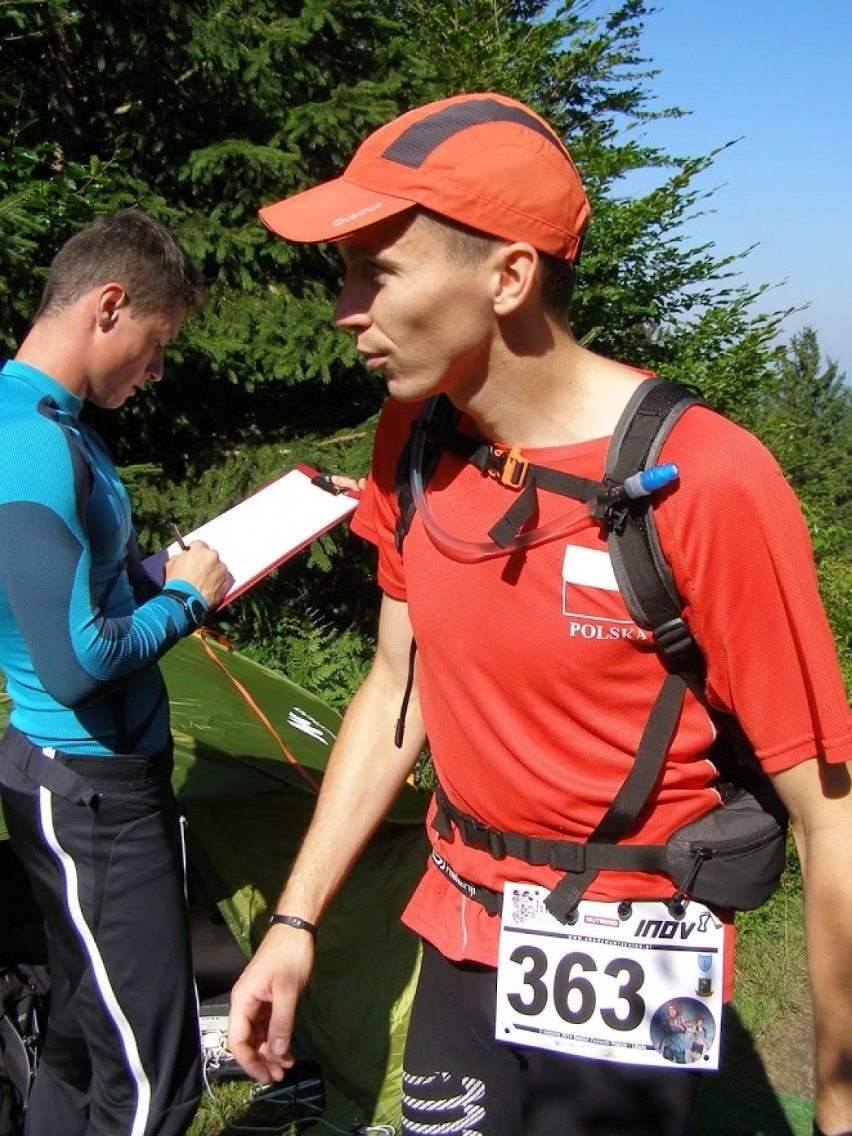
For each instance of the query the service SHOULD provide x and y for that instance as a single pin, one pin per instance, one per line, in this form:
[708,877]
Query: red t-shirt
[536,685]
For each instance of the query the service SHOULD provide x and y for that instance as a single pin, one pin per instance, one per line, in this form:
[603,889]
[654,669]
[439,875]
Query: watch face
[196,610]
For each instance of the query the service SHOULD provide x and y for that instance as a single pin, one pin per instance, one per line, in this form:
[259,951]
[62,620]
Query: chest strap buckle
[510,467]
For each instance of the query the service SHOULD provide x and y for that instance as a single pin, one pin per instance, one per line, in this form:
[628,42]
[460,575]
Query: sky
[776,74]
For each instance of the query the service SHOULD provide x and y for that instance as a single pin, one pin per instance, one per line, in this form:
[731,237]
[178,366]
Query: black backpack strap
[640,567]
[629,801]
[437,418]
[525,505]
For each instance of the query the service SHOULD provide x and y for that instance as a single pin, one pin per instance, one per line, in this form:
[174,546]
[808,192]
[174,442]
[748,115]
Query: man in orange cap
[459,225]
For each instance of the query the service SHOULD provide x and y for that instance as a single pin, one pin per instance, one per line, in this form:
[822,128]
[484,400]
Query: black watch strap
[295,921]
[192,606]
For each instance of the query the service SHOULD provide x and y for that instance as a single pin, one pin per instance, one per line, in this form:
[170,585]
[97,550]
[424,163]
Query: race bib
[625,982]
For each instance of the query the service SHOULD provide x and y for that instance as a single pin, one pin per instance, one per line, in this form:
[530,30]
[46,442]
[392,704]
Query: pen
[180,539]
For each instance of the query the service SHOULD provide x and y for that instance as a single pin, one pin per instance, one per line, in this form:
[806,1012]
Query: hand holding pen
[199,565]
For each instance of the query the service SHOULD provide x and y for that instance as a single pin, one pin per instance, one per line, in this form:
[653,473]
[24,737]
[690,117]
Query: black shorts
[459,1080]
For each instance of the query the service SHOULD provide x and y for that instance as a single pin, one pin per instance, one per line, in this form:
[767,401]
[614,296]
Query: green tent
[239,730]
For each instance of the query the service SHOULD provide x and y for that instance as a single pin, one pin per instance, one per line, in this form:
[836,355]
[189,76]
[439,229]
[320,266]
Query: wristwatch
[192,606]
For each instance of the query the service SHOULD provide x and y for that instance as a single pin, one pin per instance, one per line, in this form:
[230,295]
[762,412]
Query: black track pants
[460,1081]
[100,840]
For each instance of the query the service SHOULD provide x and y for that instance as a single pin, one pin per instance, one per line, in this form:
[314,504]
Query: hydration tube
[473,551]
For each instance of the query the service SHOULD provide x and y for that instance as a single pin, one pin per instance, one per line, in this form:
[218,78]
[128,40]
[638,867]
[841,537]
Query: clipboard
[266,528]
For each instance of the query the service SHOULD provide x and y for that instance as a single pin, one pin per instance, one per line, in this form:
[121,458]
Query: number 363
[573,993]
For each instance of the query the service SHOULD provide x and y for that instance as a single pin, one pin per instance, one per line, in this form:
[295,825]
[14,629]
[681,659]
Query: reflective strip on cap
[419,140]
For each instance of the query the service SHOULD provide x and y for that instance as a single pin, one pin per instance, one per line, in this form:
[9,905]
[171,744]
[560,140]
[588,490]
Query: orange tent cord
[203,633]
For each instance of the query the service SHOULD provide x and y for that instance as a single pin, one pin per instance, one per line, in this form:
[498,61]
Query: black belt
[76,778]
[560,854]
[491,900]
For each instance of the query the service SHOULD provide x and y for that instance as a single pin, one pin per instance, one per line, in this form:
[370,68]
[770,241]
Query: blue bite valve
[650,480]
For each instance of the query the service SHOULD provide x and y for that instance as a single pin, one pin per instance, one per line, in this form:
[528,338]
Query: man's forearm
[365,772]
[826,856]
[818,796]
[828,918]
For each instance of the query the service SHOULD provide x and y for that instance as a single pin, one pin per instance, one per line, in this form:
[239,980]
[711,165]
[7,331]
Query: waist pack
[734,855]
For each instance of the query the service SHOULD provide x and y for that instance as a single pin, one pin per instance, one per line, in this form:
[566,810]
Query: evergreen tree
[806,419]
[202,111]
[44,194]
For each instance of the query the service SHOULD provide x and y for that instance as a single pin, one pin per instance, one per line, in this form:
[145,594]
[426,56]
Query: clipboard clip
[323,482]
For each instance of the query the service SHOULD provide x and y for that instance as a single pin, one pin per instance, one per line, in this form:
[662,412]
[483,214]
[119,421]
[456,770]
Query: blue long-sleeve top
[81,624]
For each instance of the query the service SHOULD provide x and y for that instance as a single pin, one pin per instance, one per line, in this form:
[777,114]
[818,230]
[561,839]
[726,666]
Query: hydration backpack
[23,1015]
[732,856]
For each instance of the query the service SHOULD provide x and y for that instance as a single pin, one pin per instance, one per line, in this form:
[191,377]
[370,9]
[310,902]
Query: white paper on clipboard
[265,529]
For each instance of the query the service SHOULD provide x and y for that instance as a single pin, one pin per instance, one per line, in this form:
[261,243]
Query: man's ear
[517,268]
[111,298]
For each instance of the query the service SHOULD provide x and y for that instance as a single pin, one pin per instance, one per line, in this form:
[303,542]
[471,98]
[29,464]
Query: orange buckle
[510,466]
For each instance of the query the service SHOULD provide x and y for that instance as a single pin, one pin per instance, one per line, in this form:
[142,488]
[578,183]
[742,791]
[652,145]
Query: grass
[234,1107]
[771,965]
[222,1104]
[238,1107]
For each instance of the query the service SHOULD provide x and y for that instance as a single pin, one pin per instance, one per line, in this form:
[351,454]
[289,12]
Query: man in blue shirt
[85,764]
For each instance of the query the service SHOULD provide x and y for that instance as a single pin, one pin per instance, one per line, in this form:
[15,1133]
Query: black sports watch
[194,608]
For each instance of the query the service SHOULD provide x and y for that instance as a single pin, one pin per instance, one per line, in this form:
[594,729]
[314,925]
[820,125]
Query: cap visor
[330,211]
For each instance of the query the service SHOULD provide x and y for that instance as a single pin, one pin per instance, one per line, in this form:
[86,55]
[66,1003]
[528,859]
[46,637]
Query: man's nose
[155,367]
[352,310]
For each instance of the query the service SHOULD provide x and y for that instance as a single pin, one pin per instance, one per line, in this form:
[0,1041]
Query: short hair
[468,247]
[133,249]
